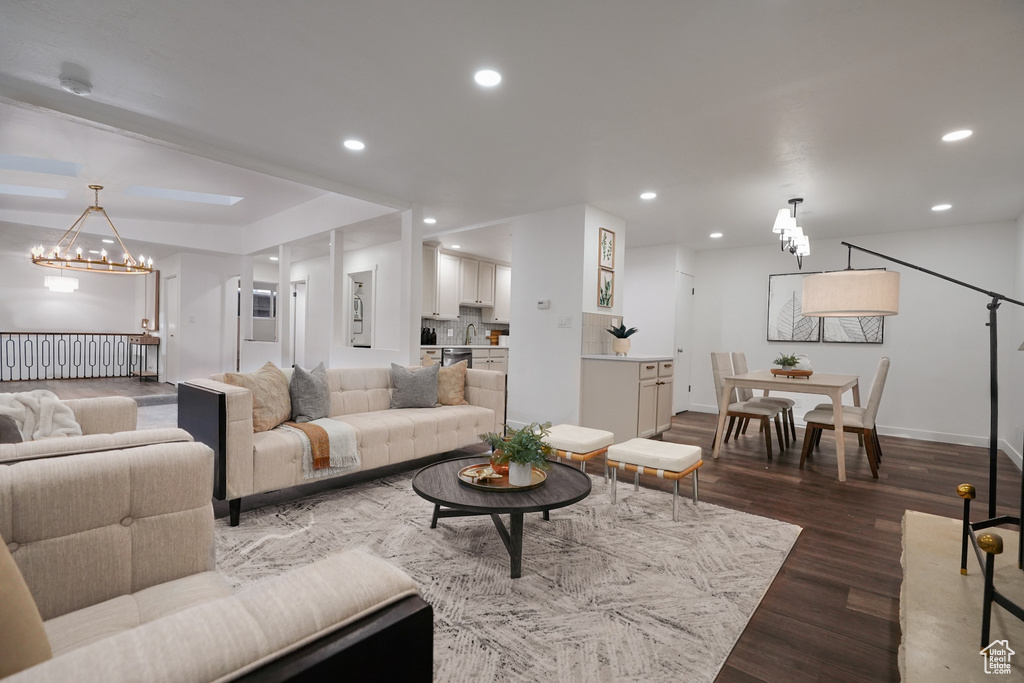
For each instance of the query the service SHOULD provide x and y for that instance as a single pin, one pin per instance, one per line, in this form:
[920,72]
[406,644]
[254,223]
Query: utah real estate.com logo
[997,657]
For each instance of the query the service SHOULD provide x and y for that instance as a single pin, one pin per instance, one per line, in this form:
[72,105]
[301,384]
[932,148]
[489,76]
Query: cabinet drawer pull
[668,365]
[650,367]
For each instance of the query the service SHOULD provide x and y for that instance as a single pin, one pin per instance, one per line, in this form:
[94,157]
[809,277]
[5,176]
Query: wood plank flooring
[90,388]
[832,613]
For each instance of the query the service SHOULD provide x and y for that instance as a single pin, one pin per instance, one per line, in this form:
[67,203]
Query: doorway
[298,323]
[683,337]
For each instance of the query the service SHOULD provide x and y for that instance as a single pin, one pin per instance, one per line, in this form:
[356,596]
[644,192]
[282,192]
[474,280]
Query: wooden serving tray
[790,372]
[501,483]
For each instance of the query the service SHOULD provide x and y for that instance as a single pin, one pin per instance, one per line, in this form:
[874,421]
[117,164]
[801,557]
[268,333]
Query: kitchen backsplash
[597,340]
[467,315]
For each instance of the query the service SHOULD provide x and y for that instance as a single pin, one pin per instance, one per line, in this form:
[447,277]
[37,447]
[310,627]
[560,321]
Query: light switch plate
[451,333]
[565,321]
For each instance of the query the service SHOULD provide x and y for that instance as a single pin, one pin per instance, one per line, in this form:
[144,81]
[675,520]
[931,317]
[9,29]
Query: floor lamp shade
[851,293]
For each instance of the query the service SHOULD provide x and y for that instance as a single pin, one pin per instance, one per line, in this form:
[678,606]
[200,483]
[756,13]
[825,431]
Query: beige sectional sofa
[117,550]
[249,462]
[107,422]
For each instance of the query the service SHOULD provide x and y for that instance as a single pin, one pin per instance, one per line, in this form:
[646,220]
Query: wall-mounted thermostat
[544,305]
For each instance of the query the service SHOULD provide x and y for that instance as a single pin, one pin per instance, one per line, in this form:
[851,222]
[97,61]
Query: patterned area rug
[608,593]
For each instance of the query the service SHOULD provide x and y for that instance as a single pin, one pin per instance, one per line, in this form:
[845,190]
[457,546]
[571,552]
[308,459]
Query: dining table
[833,386]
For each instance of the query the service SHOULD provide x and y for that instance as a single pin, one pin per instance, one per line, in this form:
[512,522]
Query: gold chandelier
[62,257]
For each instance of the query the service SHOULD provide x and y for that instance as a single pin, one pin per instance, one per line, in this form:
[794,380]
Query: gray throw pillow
[310,395]
[9,430]
[414,389]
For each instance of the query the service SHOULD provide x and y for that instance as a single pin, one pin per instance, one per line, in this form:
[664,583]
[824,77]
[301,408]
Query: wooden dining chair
[856,420]
[721,367]
[739,366]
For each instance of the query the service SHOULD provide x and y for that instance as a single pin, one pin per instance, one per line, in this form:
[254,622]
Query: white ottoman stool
[579,444]
[663,459]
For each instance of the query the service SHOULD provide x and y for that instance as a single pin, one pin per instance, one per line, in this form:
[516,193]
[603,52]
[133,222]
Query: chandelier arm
[76,227]
[124,249]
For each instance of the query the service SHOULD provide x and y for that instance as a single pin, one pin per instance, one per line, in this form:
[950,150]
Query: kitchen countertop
[461,346]
[634,359]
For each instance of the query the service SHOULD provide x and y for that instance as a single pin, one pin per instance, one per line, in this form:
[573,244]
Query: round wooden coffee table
[439,483]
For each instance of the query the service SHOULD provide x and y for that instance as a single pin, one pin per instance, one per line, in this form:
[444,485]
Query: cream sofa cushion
[23,641]
[451,384]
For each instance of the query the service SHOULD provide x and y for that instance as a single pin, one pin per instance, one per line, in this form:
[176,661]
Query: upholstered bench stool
[579,444]
[663,459]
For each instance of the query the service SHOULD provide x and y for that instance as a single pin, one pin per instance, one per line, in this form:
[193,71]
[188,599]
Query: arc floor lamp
[876,292]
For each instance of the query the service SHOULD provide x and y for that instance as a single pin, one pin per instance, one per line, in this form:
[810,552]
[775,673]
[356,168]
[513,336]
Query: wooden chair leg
[792,424]
[878,446]
[869,443]
[808,442]
[778,433]
[817,437]
[746,422]
[767,429]
[728,430]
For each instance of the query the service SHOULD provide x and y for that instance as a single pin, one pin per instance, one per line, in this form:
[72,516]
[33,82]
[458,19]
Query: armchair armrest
[220,415]
[308,611]
[104,415]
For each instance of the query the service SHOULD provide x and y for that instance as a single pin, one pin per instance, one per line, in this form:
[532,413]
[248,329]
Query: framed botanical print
[605,287]
[606,244]
[785,321]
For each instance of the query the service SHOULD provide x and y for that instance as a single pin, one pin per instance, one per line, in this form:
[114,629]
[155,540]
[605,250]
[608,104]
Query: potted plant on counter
[520,450]
[621,343]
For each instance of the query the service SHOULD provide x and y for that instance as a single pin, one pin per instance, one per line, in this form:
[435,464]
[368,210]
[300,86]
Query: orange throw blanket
[318,442]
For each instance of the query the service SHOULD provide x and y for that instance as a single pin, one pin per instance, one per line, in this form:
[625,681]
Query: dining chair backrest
[871,410]
[739,367]
[721,367]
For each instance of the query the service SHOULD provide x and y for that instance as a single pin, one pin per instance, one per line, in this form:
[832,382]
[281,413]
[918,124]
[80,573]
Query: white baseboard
[941,437]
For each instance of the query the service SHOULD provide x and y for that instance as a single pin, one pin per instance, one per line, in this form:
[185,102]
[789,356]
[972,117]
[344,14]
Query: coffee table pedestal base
[512,537]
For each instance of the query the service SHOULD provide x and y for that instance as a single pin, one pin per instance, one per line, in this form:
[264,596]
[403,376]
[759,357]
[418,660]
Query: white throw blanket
[344,449]
[39,414]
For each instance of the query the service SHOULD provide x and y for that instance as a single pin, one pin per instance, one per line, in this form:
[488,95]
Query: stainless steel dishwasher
[452,356]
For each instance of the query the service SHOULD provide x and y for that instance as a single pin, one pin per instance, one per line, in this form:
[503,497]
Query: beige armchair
[117,550]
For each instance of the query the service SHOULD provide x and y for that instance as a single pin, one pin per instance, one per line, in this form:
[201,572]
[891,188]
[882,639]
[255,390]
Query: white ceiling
[725,108]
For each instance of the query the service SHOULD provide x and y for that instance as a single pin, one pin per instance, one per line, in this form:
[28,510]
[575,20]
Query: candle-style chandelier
[61,256]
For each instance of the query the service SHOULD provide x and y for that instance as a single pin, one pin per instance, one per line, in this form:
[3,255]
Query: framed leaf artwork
[605,287]
[785,321]
[606,245]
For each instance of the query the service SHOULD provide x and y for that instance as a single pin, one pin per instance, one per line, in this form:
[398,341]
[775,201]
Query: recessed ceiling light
[648,195]
[715,235]
[94,251]
[26,191]
[456,246]
[487,78]
[957,135]
[108,241]
[273,258]
[15,162]
[354,145]
[181,195]
[429,221]
[942,207]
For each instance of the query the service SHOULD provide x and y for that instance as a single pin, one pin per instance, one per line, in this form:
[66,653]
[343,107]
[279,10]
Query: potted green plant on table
[520,450]
[621,343]
[793,365]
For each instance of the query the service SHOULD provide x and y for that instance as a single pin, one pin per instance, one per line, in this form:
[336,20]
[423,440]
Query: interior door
[171,312]
[684,333]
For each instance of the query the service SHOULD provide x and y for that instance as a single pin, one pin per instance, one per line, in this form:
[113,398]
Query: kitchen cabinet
[476,282]
[502,308]
[440,285]
[490,359]
[627,396]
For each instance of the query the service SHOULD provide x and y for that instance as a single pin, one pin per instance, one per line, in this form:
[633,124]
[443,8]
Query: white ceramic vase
[621,346]
[804,363]
[519,474]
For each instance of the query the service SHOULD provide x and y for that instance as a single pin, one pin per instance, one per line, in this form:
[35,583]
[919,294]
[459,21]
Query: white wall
[385,262]
[649,300]
[544,359]
[938,343]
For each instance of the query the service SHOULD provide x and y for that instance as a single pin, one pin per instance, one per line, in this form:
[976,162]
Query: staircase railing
[63,355]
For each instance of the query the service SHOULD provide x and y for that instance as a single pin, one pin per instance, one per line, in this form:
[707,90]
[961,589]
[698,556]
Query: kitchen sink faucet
[467,332]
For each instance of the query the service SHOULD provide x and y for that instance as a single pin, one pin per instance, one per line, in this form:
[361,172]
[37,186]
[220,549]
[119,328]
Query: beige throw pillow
[271,404]
[451,385]
[427,361]
[23,641]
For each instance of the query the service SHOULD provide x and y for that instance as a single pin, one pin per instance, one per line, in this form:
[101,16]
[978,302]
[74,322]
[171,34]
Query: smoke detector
[75,87]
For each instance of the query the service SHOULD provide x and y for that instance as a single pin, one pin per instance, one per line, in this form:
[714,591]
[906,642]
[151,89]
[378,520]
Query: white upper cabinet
[477,282]
[502,307]
[440,285]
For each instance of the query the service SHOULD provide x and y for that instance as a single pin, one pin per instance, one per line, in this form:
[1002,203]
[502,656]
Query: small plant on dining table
[524,446]
[787,361]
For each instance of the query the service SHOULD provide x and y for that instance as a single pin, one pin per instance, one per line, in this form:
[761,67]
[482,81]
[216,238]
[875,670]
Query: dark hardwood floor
[832,613]
[90,388]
